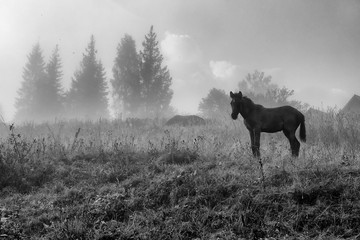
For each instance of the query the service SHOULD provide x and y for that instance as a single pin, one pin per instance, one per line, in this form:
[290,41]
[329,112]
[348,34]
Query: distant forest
[140,82]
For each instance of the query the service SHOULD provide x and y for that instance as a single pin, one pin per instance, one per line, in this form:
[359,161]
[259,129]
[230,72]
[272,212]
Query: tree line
[140,82]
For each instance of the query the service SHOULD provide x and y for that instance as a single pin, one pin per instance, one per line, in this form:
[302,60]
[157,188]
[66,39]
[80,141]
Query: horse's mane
[248,100]
[250,103]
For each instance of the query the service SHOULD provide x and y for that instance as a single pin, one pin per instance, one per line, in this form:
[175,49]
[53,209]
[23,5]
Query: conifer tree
[156,79]
[87,97]
[53,92]
[126,78]
[29,101]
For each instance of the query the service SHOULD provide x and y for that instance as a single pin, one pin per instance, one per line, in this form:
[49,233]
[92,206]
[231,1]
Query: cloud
[183,57]
[338,92]
[180,50]
[174,44]
[222,69]
[191,76]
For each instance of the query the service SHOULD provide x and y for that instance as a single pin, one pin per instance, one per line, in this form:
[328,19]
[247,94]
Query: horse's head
[235,104]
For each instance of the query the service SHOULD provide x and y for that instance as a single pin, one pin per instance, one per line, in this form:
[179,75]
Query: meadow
[108,180]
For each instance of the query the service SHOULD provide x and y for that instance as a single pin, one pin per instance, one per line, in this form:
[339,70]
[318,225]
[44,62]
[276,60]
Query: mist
[179,119]
[309,47]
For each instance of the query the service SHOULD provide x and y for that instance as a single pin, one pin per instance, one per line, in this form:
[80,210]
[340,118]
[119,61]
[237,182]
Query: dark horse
[259,119]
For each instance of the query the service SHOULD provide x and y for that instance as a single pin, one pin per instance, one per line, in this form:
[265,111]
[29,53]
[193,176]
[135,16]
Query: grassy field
[106,180]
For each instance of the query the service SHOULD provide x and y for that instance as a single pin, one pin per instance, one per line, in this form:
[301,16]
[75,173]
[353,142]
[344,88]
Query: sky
[311,47]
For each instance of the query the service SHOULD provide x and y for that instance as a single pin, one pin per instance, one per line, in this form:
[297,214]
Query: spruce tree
[54,92]
[126,78]
[87,97]
[156,79]
[29,101]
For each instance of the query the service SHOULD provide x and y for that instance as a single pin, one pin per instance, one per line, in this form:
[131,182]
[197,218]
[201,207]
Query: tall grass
[108,180]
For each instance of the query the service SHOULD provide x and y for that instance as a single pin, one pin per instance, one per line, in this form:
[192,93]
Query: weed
[105,180]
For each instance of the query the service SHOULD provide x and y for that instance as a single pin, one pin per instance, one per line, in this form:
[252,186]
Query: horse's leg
[287,134]
[255,143]
[294,143]
[296,147]
[251,132]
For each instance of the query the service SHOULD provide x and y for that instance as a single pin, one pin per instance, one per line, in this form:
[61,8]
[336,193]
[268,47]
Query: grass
[106,180]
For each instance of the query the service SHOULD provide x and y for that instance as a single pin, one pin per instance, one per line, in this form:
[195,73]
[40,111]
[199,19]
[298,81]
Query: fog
[311,47]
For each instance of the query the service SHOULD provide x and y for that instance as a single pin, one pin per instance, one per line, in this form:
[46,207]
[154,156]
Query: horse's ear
[231,94]
[240,94]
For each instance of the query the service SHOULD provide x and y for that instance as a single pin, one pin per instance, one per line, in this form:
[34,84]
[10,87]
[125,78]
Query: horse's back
[275,119]
[291,112]
[287,111]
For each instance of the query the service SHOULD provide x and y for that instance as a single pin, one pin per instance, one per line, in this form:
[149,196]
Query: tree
[279,96]
[126,77]
[261,90]
[156,80]
[54,91]
[29,101]
[216,104]
[87,97]
[256,83]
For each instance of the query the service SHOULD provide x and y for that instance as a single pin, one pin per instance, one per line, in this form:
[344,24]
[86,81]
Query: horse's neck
[245,113]
[248,110]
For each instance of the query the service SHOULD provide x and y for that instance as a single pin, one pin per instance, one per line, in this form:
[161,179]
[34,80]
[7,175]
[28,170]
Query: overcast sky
[312,47]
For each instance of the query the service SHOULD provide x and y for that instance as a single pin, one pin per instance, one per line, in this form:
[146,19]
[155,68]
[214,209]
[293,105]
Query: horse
[258,118]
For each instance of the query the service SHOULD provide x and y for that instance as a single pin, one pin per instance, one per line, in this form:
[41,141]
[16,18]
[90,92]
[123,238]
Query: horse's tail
[302,130]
